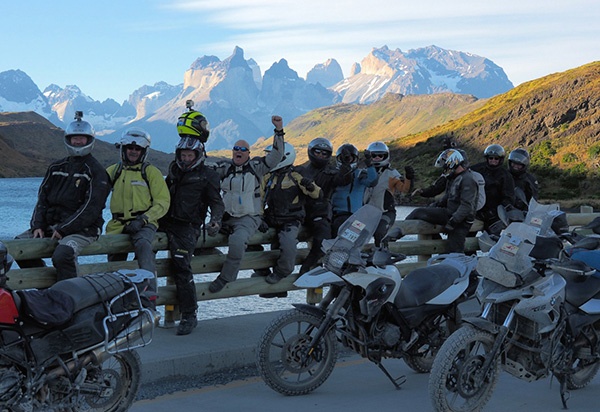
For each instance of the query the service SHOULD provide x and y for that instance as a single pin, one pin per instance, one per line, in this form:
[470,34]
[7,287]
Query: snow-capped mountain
[422,71]
[238,100]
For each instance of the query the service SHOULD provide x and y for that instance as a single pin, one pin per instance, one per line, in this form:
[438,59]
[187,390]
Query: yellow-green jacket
[132,196]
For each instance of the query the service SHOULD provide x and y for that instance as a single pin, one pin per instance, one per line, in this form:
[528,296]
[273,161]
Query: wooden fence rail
[210,259]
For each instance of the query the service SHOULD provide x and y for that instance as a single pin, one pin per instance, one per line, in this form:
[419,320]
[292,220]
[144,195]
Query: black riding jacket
[499,186]
[327,178]
[72,196]
[192,193]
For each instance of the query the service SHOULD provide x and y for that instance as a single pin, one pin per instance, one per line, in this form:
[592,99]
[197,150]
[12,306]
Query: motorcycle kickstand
[397,382]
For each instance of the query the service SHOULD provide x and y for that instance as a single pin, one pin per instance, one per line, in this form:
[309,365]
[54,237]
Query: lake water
[19,196]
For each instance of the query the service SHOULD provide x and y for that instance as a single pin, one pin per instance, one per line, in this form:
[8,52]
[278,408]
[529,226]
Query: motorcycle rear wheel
[421,359]
[455,383]
[584,367]
[282,358]
[118,382]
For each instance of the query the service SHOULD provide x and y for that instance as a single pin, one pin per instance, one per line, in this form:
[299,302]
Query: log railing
[209,259]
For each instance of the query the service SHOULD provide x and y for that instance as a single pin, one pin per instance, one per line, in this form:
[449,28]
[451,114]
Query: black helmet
[519,156]
[322,144]
[6,260]
[347,154]
[495,150]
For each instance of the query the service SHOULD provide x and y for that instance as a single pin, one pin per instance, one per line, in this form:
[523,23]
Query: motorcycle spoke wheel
[421,359]
[115,386]
[457,382]
[283,360]
[584,367]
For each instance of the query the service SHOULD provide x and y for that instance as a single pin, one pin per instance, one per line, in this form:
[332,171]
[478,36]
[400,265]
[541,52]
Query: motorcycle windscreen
[357,230]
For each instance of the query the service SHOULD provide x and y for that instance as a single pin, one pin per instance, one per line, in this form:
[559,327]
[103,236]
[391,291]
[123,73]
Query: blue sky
[110,48]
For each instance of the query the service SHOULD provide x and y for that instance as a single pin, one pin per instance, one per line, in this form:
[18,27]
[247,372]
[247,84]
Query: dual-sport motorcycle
[369,308]
[540,317]
[70,347]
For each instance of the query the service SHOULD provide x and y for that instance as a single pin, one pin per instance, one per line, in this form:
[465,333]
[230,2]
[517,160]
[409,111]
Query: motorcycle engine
[10,383]
[388,334]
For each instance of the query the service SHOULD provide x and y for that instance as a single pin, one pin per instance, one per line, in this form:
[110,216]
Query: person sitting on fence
[526,185]
[499,188]
[456,211]
[347,199]
[194,188]
[284,196]
[389,183]
[70,201]
[140,197]
[439,185]
[240,187]
[318,211]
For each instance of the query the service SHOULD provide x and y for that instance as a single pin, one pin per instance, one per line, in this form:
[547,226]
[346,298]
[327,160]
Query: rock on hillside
[556,118]
[29,143]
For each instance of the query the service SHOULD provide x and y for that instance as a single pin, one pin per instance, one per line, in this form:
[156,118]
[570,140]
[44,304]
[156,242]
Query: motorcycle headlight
[335,260]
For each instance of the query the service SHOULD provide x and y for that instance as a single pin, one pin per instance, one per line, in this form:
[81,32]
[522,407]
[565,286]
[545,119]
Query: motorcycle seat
[90,289]
[423,284]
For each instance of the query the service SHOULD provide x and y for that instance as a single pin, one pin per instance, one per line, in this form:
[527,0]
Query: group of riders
[246,194]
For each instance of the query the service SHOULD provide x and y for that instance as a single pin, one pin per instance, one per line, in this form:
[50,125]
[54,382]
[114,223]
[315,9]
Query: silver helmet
[289,156]
[138,137]
[189,143]
[79,127]
[379,148]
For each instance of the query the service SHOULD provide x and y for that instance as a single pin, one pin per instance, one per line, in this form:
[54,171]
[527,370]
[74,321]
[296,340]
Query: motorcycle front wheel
[283,360]
[114,386]
[420,359]
[457,383]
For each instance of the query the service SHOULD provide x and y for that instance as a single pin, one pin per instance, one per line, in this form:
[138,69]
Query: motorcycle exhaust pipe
[103,351]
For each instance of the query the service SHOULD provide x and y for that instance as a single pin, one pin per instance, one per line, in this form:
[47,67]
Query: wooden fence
[209,260]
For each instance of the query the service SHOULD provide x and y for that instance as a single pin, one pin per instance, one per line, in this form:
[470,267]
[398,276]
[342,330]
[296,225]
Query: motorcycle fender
[482,324]
[316,278]
[310,309]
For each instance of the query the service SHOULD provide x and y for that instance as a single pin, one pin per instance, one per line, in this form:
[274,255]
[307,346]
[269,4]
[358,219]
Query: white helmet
[79,127]
[189,143]
[289,156]
[138,137]
[449,160]
[379,148]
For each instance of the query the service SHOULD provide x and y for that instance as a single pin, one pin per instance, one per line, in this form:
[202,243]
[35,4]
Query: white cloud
[309,32]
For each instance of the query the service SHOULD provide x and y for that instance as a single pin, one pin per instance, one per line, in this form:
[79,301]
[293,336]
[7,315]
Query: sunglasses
[493,158]
[321,152]
[240,149]
[378,155]
[134,148]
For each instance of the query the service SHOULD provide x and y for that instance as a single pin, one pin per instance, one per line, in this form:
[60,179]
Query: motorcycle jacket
[136,193]
[327,178]
[72,196]
[389,182]
[285,195]
[499,186]
[461,197]
[192,193]
[240,185]
[349,198]
[435,188]
[526,188]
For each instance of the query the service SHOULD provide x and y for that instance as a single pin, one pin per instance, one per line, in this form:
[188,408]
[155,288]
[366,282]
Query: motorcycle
[71,346]
[540,316]
[368,308]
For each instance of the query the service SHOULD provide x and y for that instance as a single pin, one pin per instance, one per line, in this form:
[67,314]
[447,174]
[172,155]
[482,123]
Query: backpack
[119,170]
[481,189]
